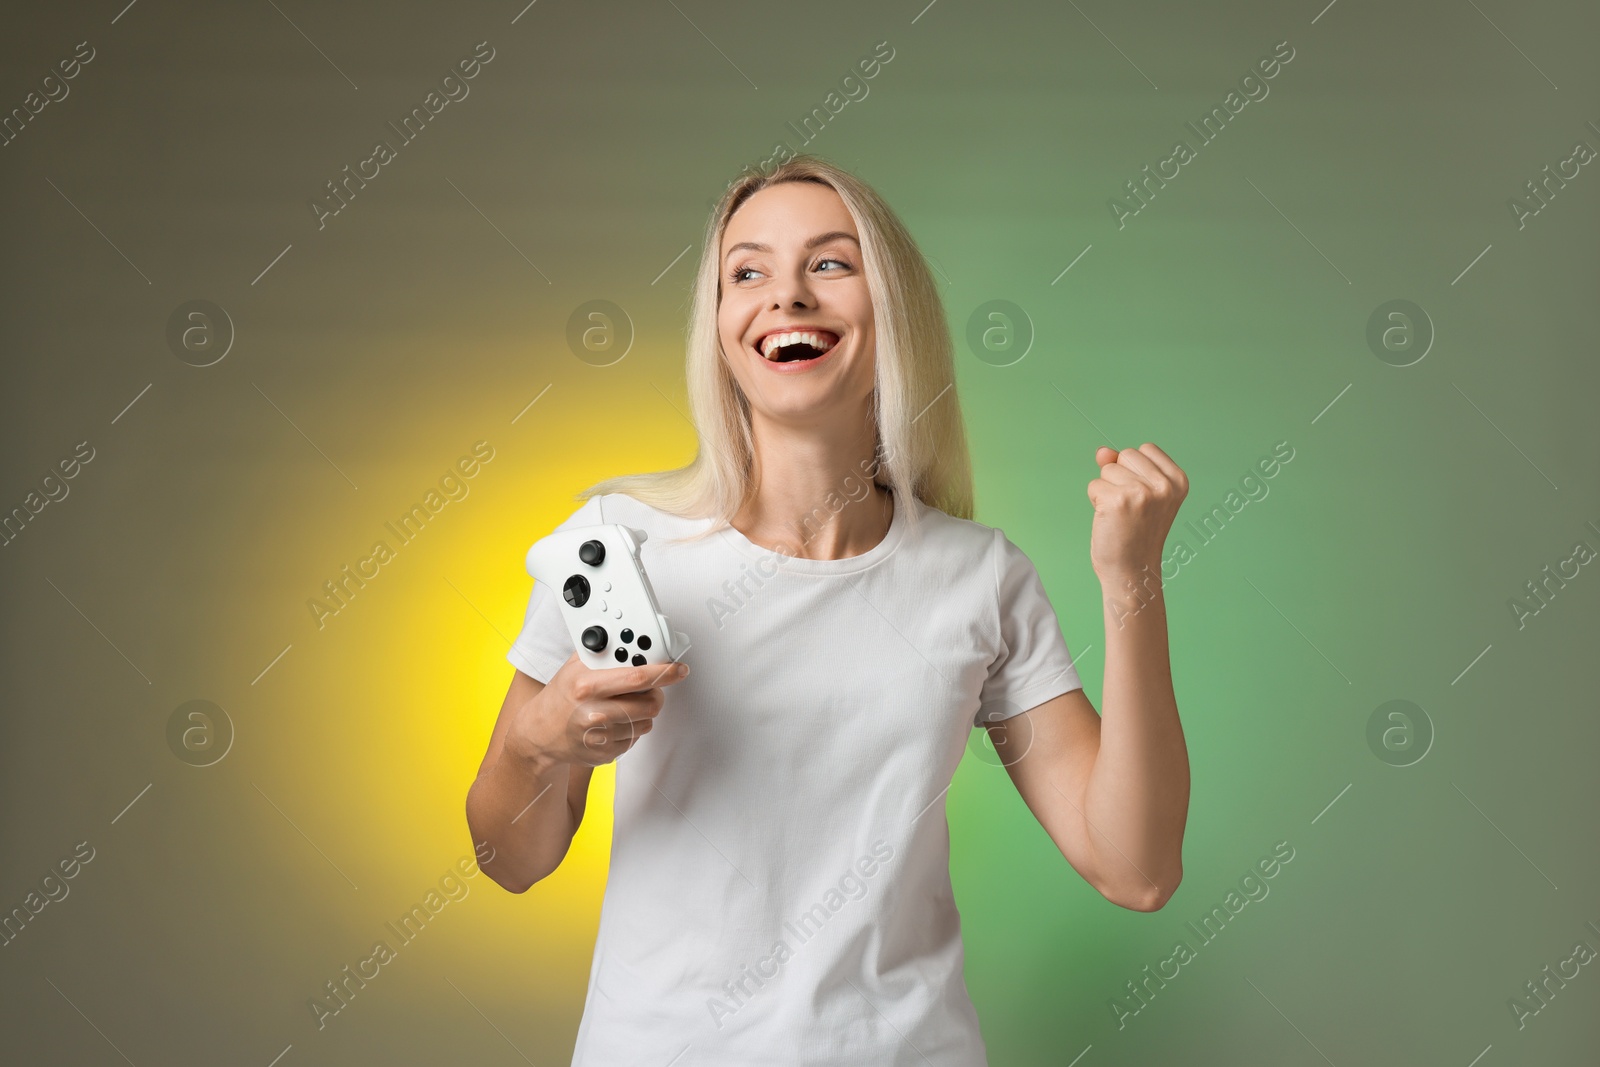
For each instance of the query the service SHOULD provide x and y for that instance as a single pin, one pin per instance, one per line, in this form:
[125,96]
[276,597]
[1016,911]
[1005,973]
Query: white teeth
[772,342]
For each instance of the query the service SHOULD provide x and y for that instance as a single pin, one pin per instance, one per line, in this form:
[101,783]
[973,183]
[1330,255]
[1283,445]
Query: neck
[812,499]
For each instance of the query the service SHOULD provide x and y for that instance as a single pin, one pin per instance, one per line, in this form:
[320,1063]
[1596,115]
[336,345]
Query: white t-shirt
[779,889]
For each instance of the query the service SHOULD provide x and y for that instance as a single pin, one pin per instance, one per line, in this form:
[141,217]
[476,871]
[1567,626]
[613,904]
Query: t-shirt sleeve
[1033,664]
[544,645]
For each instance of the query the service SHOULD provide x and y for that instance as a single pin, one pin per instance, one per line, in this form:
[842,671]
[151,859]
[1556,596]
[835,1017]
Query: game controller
[604,595]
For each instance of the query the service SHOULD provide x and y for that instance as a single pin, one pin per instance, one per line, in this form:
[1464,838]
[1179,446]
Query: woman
[779,889]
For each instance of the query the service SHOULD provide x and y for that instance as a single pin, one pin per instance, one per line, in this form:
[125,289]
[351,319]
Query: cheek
[731,322]
[869,338]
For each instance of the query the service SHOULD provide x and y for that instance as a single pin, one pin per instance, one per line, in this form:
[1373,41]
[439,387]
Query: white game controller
[604,595]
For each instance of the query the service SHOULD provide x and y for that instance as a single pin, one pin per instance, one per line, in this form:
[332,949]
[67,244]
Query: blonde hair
[921,439]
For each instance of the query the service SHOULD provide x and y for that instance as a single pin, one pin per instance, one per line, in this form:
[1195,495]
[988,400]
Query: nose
[794,291]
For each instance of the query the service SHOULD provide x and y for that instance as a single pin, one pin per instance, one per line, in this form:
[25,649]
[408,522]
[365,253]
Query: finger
[1117,474]
[1104,455]
[1136,461]
[614,732]
[1105,493]
[625,707]
[614,681]
[1168,467]
[1112,485]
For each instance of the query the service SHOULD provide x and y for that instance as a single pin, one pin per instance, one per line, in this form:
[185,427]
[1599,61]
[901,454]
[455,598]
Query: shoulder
[984,549]
[631,511]
[958,541]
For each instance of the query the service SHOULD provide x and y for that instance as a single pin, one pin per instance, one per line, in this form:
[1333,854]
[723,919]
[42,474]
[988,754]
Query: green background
[1229,315]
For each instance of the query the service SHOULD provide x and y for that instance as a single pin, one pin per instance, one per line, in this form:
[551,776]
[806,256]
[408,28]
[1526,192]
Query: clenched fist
[1135,501]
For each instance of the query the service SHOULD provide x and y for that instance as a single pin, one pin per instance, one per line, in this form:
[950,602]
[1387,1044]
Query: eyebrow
[819,239]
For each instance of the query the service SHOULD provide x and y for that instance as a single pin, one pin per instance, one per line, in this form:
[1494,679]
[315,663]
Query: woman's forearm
[1137,798]
[519,805]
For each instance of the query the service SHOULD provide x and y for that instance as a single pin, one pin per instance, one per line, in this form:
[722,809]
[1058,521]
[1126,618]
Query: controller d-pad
[592,552]
[576,591]
[594,638]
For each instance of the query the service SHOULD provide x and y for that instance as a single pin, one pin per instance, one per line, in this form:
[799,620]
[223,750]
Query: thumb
[1104,455]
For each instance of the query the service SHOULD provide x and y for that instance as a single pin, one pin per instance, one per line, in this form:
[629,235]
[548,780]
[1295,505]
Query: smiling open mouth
[796,346]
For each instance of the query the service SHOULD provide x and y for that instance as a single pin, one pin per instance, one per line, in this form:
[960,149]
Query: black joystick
[576,591]
[592,552]
[594,638]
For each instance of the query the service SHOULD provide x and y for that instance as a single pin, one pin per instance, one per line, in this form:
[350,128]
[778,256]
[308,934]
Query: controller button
[592,552]
[644,642]
[576,591]
[603,608]
[622,655]
[638,661]
[594,638]
[617,614]
[605,587]
[626,636]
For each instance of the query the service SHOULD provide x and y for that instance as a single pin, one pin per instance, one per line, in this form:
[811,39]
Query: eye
[738,273]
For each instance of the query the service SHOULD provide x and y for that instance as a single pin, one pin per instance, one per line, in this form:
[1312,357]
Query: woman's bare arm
[528,799]
[526,807]
[1113,792]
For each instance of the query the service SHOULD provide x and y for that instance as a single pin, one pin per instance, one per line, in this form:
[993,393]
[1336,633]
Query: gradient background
[1227,316]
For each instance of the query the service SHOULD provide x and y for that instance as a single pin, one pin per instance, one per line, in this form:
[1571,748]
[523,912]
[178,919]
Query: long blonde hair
[921,439]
